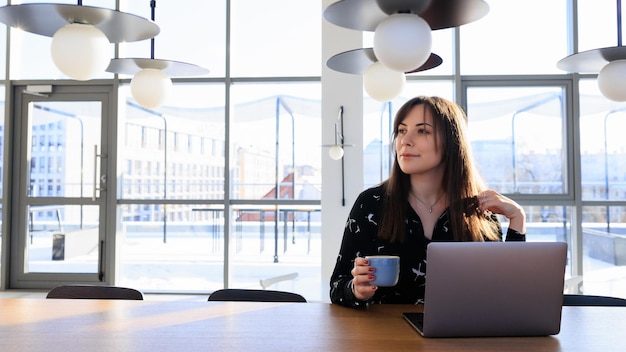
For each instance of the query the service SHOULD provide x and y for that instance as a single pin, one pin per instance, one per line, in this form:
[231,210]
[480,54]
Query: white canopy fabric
[548,104]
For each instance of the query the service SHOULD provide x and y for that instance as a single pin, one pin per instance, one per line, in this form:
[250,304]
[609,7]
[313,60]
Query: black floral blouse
[360,239]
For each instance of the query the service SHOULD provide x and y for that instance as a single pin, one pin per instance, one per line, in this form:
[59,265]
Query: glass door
[60,173]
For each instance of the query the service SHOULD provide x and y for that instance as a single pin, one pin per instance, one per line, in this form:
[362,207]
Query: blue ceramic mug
[387,269]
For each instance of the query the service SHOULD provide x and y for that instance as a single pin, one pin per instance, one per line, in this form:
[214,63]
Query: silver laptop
[492,289]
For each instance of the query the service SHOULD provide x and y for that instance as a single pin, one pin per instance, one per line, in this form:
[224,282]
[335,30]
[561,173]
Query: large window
[275,132]
[518,137]
[275,38]
[229,166]
[516,37]
[172,184]
[602,146]
[176,151]
[191,31]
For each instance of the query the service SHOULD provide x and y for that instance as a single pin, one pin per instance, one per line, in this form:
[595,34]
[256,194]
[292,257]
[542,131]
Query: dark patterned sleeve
[513,235]
[359,232]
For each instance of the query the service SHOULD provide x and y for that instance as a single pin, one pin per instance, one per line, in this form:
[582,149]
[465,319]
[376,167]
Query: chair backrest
[94,292]
[250,295]
[590,300]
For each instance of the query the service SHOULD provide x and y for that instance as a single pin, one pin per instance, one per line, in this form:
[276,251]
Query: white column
[339,89]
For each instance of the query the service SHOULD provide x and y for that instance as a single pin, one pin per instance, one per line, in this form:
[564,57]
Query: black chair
[250,295]
[94,292]
[590,300]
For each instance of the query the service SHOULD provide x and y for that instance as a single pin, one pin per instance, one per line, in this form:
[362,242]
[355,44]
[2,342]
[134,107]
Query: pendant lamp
[80,34]
[402,37]
[151,83]
[610,63]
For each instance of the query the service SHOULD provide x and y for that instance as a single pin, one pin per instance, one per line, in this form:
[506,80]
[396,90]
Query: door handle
[99,183]
[101,262]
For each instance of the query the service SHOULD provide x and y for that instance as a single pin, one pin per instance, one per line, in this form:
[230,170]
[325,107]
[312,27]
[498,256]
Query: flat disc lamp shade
[610,63]
[403,42]
[80,51]
[612,80]
[382,83]
[150,87]
[81,35]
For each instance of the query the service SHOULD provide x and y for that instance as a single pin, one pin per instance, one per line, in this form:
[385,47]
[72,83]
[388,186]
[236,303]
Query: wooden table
[120,326]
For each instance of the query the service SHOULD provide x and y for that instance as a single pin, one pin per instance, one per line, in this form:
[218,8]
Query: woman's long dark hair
[461,180]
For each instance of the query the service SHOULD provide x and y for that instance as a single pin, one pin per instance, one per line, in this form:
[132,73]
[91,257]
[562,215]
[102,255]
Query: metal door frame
[15,183]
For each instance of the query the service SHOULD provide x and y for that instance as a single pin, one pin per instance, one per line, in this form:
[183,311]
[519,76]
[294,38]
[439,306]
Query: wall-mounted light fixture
[80,34]
[151,82]
[402,37]
[336,151]
[609,62]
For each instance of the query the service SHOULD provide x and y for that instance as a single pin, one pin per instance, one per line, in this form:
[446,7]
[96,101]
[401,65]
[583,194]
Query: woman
[433,193]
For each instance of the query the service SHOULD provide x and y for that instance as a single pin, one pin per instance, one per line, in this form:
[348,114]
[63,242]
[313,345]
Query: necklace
[429,207]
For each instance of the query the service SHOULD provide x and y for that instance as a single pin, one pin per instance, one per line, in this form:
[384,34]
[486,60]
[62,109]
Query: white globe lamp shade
[612,80]
[80,51]
[382,83]
[150,87]
[403,42]
[336,152]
